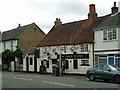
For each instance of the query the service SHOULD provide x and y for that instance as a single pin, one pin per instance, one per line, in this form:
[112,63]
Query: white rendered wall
[104,45]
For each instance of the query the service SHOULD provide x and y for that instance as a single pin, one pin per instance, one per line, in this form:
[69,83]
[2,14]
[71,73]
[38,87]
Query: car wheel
[117,79]
[92,77]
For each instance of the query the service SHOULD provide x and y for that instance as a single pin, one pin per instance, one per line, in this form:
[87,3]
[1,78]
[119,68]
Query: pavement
[78,76]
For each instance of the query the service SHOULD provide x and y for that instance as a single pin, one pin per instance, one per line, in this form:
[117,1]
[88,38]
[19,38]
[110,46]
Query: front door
[35,64]
[27,64]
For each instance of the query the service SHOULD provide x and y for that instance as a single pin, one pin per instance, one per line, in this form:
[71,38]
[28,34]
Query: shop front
[112,59]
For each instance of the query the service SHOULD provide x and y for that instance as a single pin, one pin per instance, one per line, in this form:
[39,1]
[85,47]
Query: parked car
[105,72]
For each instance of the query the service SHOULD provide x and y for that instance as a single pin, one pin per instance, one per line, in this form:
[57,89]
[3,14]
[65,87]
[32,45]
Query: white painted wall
[80,70]
[119,36]
[8,45]
[0,52]
[24,64]
[104,45]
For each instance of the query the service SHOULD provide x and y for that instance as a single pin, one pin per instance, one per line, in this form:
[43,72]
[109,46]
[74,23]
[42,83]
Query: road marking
[58,84]
[21,75]
[23,78]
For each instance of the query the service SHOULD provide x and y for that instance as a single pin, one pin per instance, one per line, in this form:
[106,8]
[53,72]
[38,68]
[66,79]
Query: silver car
[105,72]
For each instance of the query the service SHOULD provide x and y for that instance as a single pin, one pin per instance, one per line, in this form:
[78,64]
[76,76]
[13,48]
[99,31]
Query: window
[84,48]
[4,45]
[102,59]
[117,60]
[75,64]
[110,34]
[105,35]
[105,68]
[66,64]
[34,29]
[47,64]
[12,45]
[98,67]
[84,62]
[31,61]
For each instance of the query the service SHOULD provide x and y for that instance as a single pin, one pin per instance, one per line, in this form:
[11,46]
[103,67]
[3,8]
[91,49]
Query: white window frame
[112,34]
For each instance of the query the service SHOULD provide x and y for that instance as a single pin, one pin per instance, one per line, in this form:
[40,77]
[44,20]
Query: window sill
[110,40]
[84,65]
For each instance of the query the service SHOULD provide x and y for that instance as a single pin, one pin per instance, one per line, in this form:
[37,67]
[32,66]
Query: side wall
[30,38]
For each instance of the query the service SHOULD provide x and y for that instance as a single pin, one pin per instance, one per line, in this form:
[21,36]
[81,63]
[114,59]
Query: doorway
[27,64]
[35,64]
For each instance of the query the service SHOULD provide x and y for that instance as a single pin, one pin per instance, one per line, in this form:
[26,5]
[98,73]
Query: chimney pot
[19,25]
[57,22]
[114,4]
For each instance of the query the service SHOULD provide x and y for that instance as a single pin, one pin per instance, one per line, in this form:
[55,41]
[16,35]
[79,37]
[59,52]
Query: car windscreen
[113,67]
[118,68]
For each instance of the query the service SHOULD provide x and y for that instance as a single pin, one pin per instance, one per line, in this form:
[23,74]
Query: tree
[18,53]
[7,57]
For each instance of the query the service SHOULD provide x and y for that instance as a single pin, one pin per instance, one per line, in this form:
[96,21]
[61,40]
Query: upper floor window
[12,45]
[110,34]
[84,48]
[34,29]
[4,45]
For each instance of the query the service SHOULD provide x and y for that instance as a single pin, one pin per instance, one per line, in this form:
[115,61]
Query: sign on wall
[74,56]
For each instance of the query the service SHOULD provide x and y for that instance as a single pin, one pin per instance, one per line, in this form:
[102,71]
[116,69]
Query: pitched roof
[12,34]
[72,33]
[113,20]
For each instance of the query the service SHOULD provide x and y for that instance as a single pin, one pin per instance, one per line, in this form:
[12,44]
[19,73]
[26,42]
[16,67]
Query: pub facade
[77,58]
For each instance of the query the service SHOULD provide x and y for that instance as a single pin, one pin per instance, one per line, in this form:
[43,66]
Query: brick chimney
[92,11]
[57,22]
[114,8]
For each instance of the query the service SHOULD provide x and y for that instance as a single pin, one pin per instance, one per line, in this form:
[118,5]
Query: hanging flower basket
[56,53]
[48,53]
[74,52]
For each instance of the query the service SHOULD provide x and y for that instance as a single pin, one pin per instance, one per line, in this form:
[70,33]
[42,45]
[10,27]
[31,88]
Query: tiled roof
[72,33]
[113,20]
[12,34]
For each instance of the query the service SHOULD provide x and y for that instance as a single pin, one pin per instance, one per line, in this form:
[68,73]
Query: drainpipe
[93,55]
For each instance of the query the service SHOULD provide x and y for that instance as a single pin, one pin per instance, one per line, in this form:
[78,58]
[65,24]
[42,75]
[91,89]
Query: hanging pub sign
[74,56]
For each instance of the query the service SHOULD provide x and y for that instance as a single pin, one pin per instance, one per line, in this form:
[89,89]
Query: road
[34,80]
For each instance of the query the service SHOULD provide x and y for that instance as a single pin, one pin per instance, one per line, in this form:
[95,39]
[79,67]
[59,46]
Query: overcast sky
[44,12]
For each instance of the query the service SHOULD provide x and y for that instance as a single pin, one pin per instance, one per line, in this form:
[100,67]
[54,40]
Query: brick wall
[30,38]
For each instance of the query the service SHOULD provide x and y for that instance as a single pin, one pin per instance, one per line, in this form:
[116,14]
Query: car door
[98,71]
[107,74]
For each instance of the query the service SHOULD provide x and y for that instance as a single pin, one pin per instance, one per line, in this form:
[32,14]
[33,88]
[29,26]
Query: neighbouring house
[107,40]
[0,47]
[24,37]
[73,41]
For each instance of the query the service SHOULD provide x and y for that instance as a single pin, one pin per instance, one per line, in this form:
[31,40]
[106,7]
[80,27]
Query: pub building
[73,41]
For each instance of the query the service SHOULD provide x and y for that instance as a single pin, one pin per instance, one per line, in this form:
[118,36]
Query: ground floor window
[117,60]
[75,64]
[66,64]
[102,59]
[84,62]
